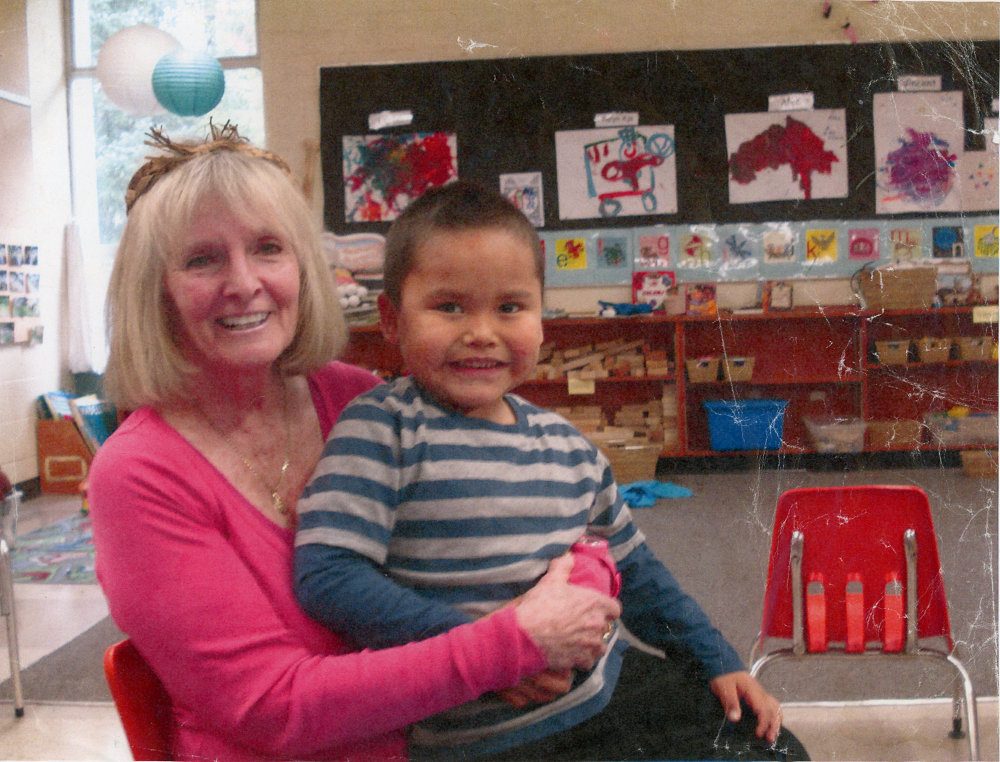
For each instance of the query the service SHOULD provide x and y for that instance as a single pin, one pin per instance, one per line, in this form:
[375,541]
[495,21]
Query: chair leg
[7,611]
[967,696]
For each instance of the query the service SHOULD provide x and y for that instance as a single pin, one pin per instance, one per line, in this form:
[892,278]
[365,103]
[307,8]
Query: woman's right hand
[567,622]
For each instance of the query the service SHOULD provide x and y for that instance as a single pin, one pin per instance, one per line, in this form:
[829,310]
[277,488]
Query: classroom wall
[334,32]
[298,37]
[34,205]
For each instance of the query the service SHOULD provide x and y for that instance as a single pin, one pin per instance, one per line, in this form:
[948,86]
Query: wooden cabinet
[823,362]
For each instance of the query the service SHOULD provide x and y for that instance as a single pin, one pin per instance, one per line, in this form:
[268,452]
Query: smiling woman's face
[233,292]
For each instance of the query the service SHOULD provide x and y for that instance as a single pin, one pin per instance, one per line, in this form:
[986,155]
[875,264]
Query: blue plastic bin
[745,424]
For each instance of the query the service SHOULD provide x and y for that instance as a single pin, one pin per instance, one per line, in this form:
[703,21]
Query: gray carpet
[74,672]
[716,544]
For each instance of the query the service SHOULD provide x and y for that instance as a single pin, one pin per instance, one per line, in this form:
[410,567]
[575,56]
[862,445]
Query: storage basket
[746,424]
[836,434]
[974,347]
[632,462]
[931,349]
[897,289]
[961,431]
[893,352]
[979,462]
[900,434]
[738,368]
[703,370]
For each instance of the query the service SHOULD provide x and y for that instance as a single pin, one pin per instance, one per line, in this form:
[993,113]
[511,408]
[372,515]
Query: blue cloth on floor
[643,494]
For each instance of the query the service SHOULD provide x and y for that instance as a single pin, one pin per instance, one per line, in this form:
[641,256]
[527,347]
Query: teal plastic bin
[746,424]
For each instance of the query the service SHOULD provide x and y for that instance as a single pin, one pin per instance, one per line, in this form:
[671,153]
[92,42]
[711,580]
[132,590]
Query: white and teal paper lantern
[188,83]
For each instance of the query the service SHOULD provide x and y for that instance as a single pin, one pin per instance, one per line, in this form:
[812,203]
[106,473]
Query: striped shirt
[468,512]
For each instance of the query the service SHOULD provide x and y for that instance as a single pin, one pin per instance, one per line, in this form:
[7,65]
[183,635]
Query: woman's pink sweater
[201,582]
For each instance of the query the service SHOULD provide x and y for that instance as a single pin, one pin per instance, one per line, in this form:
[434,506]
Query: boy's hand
[538,689]
[733,686]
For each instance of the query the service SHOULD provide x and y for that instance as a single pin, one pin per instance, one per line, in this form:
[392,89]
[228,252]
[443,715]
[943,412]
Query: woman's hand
[567,622]
[733,686]
[539,689]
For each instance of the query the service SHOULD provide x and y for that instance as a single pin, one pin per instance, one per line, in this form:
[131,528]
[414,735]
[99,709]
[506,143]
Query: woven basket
[704,370]
[632,463]
[974,347]
[932,349]
[898,289]
[738,369]
[893,352]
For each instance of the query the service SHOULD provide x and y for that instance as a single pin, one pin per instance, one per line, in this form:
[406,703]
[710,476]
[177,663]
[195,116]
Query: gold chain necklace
[276,499]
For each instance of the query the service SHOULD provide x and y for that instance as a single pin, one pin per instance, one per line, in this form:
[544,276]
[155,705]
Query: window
[107,144]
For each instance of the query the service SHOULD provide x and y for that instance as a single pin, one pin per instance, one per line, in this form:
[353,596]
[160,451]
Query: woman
[223,325]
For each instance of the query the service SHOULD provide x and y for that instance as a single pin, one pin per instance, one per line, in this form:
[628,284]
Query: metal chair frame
[964,694]
[8,529]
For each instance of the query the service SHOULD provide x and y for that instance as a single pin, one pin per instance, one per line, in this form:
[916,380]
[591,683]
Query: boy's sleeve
[346,592]
[346,517]
[655,608]
[659,613]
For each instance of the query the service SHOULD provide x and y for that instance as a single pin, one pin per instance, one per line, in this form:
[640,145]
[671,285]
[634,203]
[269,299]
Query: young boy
[442,496]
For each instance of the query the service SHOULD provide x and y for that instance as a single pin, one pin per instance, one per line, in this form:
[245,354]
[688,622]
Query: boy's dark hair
[457,206]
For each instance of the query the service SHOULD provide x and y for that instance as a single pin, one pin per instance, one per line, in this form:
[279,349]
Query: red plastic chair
[141,701]
[855,571]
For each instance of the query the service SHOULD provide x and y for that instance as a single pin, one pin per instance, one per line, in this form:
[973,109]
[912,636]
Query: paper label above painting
[768,250]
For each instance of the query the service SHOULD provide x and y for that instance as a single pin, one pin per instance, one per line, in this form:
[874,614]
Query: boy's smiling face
[469,321]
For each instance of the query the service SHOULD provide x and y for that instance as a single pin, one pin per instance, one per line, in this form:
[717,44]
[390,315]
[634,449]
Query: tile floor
[50,615]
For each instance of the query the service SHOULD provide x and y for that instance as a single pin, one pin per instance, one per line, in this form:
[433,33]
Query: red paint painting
[794,145]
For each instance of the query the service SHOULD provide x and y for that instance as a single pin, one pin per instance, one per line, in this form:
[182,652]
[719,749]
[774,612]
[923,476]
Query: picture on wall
[524,189]
[20,300]
[616,172]
[919,139]
[384,173]
[787,156]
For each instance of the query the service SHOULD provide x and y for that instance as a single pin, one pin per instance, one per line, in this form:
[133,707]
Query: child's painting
[787,156]
[919,138]
[695,249]
[738,250]
[571,254]
[654,252]
[616,172]
[821,246]
[979,173]
[947,242]
[613,252]
[862,244]
[987,241]
[906,244]
[779,245]
[524,189]
[384,173]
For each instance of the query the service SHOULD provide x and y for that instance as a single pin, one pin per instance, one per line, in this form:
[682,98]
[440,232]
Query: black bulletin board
[505,113]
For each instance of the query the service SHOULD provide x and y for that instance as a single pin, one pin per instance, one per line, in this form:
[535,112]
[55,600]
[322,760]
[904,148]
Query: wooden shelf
[819,359]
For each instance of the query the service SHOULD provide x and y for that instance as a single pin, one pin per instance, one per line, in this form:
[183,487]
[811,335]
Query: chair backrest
[142,702]
[853,535]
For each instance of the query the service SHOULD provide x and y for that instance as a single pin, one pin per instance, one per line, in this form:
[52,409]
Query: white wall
[34,206]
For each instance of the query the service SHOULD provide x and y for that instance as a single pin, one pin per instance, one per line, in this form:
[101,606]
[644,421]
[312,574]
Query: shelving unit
[822,361]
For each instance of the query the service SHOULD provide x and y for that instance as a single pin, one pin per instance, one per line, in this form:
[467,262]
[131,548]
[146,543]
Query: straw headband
[224,138]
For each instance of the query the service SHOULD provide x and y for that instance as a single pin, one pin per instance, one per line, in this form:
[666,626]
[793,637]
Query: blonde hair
[146,365]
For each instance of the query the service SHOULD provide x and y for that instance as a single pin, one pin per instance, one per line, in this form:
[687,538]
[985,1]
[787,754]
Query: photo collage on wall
[20,281]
